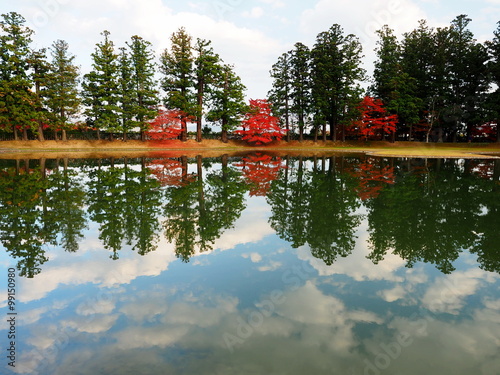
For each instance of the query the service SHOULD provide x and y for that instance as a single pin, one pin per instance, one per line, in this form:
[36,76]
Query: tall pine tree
[145,94]
[178,83]
[18,103]
[101,88]
[61,94]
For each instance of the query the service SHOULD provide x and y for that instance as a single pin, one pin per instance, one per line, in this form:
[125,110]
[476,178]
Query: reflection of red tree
[482,168]
[373,178]
[169,171]
[259,171]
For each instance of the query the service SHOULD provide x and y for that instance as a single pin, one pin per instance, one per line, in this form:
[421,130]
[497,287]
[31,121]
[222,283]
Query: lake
[259,264]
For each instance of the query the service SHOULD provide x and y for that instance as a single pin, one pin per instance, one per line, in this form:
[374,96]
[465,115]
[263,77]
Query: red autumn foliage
[259,171]
[487,131]
[259,126]
[373,178]
[375,122]
[167,125]
[167,171]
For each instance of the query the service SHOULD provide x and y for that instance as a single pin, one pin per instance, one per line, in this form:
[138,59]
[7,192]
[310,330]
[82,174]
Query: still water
[253,265]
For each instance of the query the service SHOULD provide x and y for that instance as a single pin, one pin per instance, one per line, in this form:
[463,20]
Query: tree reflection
[423,210]
[321,210]
[429,217]
[22,218]
[199,211]
[259,170]
[124,202]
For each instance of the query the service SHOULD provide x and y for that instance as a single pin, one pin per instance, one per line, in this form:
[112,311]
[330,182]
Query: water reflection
[262,264]
[421,210]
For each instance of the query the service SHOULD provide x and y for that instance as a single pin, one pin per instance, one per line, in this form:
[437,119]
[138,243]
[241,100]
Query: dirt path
[214,148]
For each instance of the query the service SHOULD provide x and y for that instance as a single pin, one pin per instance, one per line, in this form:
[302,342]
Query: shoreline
[214,148]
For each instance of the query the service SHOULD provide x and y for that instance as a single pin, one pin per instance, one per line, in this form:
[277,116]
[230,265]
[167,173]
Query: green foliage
[101,89]
[18,103]
[179,79]
[61,88]
[226,99]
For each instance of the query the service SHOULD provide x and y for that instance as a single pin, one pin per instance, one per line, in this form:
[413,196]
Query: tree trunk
[64,137]
[41,138]
[98,134]
[25,134]
[224,136]
[184,129]
[14,130]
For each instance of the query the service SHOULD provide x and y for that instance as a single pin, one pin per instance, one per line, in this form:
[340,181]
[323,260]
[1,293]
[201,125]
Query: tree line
[120,95]
[441,83]
[192,202]
[434,84]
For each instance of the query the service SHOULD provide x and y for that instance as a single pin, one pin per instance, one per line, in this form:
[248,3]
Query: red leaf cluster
[259,171]
[260,126]
[375,122]
[167,125]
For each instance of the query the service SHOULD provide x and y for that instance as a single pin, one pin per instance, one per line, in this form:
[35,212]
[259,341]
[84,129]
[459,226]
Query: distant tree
[280,94]
[375,121]
[493,101]
[101,88]
[260,126]
[166,125]
[61,94]
[19,102]
[227,100]
[336,73]
[206,66]
[127,94]
[41,68]
[178,82]
[144,93]
[300,90]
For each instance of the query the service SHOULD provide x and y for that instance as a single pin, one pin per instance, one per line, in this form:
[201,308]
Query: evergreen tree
[178,83]
[126,90]
[206,66]
[145,95]
[100,88]
[493,102]
[227,100]
[61,94]
[392,84]
[280,94]
[41,69]
[18,103]
[300,73]
[336,72]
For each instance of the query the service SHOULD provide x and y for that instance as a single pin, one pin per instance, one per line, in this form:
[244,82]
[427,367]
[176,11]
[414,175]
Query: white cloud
[255,12]
[448,292]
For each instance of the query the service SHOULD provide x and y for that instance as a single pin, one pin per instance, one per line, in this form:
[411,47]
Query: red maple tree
[167,125]
[259,126]
[375,122]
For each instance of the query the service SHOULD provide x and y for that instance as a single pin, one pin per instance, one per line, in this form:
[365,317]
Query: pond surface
[251,265]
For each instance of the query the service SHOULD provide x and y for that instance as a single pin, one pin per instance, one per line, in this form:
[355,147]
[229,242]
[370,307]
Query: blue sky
[250,34]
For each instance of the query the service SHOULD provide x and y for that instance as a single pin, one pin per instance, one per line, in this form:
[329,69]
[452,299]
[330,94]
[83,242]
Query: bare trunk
[41,138]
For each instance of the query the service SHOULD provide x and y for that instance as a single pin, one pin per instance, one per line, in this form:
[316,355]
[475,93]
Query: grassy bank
[79,149]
